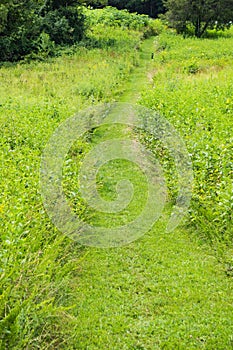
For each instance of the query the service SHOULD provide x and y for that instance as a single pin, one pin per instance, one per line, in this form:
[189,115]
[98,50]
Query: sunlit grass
[163,291]
[192,87]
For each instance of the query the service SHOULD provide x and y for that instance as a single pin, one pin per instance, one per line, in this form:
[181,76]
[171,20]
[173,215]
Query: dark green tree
[63,20]
[22,22]
[199,15]
[19,28]
[95,3]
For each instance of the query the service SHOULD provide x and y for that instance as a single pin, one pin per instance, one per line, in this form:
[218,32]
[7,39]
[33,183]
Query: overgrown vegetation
[149,7]
[37,263]
[165,290]
[33,26]
[192,87]
[112,17]
[37,29]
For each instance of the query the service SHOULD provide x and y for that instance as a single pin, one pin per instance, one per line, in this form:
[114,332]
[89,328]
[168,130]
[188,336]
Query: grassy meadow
[192,86]
[161,292]
[35,98]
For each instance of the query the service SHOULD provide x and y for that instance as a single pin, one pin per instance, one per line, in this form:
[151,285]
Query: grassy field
[162,291]
[192,87]
[37,262]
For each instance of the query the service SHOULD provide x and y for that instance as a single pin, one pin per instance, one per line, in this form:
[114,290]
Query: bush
[155,27]
[19,30]
[112,17]
[22,23]
[64,25]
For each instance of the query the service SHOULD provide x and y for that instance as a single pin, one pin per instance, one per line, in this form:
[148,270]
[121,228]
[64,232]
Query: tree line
[185,15]
[31,25]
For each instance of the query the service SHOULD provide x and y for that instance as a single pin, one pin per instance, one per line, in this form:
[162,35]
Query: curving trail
[164,291]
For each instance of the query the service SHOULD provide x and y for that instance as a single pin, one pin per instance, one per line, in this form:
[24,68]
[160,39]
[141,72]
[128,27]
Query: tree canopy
[199,14]
[28,25]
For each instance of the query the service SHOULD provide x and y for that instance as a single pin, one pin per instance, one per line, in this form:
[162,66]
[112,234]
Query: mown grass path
[164,291]
[139,78]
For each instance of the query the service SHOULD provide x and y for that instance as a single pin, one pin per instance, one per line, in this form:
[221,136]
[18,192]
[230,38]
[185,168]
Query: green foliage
[3,17]
[45,45]
[23,22]
[95,3]
[154,28]
[64,25]
[112,17]
[200,15]
[39,266]
[19,29]
[193,89]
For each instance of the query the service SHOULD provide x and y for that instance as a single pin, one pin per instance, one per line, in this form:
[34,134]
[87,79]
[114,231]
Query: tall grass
[192,87]
[37,263]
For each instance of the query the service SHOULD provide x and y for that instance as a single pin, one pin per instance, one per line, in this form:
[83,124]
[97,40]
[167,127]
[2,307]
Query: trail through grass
[138,80]
[164,291]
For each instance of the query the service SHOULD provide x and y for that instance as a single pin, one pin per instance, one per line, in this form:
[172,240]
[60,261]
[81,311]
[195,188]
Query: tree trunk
[198,28]
[204,28]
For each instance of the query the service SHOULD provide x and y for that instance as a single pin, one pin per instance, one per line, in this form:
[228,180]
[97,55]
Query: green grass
[192,87]
[164,291]
[37,263]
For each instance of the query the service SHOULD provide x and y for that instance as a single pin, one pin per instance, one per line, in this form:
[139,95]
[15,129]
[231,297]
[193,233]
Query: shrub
[23,22]
[155,27]
[112,17]
[19,29]
[64,25]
